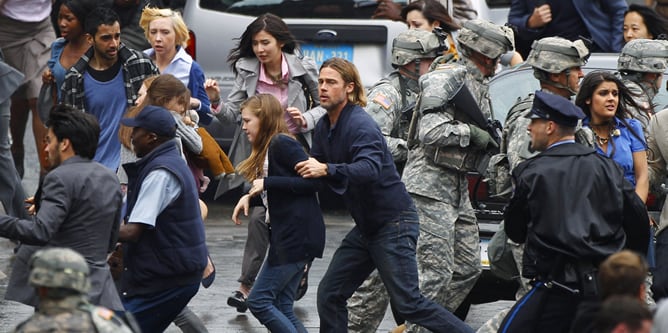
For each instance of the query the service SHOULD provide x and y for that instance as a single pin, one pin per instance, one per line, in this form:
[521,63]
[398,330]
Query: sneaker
[238,300]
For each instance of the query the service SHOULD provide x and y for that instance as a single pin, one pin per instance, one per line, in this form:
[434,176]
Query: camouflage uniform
[545,56]
[65,308]
[448,252]
[638,57]
[391,102]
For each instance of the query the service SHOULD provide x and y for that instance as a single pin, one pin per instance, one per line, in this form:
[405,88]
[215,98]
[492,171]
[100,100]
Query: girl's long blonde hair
[270,113]
[160,90]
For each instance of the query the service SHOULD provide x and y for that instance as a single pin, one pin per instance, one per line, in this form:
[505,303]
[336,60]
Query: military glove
[480,139]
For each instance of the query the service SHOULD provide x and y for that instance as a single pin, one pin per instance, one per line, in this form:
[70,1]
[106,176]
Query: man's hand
[387,9]
[542,15]
[30,205]
[241,205]
[311,168]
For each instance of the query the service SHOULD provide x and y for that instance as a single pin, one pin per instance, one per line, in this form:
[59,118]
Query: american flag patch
[383,101]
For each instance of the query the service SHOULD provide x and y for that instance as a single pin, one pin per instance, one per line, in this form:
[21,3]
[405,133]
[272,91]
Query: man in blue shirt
[165,251]
[105,81]
[350,153]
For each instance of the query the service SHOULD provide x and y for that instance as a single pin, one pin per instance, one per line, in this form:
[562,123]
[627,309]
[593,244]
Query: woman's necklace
[607,128]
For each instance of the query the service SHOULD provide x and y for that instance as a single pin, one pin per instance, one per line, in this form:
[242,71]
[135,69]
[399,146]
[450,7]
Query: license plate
[322,52]
[484,257]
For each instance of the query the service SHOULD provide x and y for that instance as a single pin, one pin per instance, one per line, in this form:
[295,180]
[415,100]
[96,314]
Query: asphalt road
[225,241]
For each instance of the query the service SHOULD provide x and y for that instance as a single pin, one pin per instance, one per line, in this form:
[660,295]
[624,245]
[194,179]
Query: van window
[498,3]
[342,9]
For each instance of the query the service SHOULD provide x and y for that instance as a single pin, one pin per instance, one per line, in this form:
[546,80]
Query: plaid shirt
[136,67]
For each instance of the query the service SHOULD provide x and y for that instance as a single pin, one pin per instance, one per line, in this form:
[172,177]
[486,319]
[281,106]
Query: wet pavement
[225,241]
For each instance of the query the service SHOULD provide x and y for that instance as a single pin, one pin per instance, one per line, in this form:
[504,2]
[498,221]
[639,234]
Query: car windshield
[350,9]
[510,86]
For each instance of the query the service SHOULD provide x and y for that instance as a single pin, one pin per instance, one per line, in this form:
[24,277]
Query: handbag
[48,97]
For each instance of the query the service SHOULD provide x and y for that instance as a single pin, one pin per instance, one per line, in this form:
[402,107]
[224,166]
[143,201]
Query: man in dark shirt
[599,21]
[350,153]
[573,208]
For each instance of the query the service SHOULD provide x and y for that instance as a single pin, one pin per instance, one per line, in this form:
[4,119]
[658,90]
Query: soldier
[447,146]
[60,277]
[641,64]
[391,104]
[557,65]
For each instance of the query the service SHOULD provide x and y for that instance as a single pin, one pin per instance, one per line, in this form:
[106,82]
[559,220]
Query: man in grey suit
[79,208]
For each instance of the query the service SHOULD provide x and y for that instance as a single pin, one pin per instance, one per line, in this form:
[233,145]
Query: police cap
[555,108]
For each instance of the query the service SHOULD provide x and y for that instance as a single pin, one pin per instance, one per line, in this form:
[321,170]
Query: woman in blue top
[604,98]
[297,227]
[168,35]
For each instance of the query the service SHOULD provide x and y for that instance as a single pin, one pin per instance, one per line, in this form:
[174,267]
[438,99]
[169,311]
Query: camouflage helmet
[59,268]
[486,38]
[555,54]
[416,44]
[644,55]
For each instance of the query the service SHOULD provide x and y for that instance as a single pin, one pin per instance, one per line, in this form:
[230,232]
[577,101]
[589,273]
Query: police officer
[445,148]
[641,65]
[567,232]
[391,104]
[557,65]
[61,277]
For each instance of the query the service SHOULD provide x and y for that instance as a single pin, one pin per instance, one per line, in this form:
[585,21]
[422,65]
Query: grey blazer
[79,209]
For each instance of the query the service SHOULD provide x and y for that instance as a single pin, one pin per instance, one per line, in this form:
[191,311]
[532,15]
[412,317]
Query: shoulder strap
[307,93]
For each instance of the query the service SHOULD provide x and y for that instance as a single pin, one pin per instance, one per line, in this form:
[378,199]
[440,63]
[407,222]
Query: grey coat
[79,209]
[245,83]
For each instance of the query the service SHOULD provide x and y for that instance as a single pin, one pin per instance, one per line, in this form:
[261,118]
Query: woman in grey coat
[265,62]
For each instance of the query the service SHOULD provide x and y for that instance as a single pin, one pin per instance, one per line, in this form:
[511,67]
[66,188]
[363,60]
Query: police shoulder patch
[381,99]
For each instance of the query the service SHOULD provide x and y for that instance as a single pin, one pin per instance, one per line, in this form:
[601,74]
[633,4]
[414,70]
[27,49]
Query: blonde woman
[168,35]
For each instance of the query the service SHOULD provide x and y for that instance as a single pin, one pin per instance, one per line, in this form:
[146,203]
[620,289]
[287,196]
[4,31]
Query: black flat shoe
[237,300]
[207,281]
[303,284]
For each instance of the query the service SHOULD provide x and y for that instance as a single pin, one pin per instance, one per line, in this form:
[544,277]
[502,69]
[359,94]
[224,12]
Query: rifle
[468,111]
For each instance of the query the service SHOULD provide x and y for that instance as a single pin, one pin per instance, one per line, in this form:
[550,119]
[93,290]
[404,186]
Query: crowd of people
[576,160]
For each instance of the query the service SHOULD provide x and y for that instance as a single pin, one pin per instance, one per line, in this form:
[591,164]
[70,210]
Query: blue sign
[322,52]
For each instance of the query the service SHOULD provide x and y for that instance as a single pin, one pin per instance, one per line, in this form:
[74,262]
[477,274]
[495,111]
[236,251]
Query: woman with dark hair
[604,99]
[643,22]
[428,15]
[264,61]
[73,41]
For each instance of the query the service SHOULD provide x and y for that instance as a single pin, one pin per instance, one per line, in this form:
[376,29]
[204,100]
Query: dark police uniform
[573,208]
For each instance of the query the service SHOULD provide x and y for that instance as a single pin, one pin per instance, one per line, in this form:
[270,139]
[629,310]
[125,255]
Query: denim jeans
[273,295]
[11,195]
[154,312]
[392,251]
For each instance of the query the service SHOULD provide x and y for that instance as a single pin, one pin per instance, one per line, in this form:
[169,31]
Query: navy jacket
[361,168]
[297,227]
[604,20]
[174,252]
